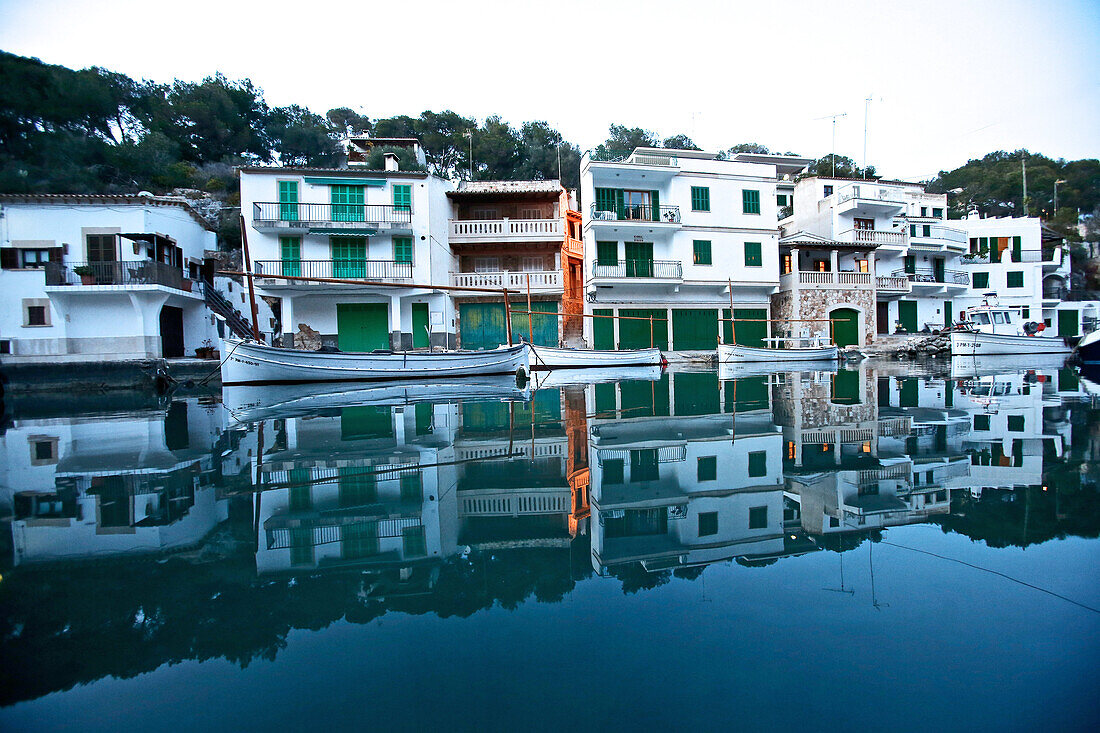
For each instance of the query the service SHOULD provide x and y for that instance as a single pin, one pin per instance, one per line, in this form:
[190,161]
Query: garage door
[750,329]
[907,314]
[603,329]
[545,327]
[845,326]
[1067,323]
[694,329]
[635,334]
[362,326]
[481,325]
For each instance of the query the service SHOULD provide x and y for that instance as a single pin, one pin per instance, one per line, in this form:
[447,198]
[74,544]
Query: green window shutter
[758,464]
[912,230]
[1017,249]
[700,198]
[402,197]
[926,230]
[910,264]
[605,199]
[781,200]
[655,199]
[347,203]
[607,253]
[402,249]
[1016,279]
[753,255]
[290,251]
[981,422]
[981,280]
[938,213]
[750,201]
[349,256]
[701,249]
[412,488]
[1016,423]
[706,468]
[288,200]
[995,249]
[973,245]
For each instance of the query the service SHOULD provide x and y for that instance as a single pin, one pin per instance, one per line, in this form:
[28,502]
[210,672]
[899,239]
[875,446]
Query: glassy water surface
[906,547]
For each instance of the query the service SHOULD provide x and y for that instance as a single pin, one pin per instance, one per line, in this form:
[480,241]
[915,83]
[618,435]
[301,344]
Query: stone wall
[817,303]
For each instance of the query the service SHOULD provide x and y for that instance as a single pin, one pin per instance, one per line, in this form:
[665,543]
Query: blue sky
[949,80]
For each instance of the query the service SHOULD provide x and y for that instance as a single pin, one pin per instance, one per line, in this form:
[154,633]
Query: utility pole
[1056,196]
[866,115]
[470,135]
[1023,164]
[834,119]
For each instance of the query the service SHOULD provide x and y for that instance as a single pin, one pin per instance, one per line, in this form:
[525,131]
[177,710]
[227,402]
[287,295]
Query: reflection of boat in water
[991,330]
[252,403]
[983,366]
[549,357]
[735,370]
[250,362]
[567,377]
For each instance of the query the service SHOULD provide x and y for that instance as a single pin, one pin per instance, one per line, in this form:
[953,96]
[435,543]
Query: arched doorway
[171,332]
[844,326]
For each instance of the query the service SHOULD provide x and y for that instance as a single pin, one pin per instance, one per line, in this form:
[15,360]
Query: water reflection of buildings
[82,488]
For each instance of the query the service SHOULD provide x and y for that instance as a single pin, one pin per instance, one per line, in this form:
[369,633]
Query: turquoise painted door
[603,330]
[545,327]
[907,314]
[694,329]
[362,326]
[845,326]
[634,329]
[948,307]
[420,325]
[482,325]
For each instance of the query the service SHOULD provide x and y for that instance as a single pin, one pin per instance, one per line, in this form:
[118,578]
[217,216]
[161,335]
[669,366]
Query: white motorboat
[990,329]
[1089,348]
[251,403]
[251,362]
[796,349]
[549,357]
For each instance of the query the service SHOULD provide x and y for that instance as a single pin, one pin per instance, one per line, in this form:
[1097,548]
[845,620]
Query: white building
[668,234]
[101,277]
[353,223]
[1028,266]
[910,256]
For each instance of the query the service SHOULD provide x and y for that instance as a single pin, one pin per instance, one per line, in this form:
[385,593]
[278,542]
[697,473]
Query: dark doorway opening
[171,332]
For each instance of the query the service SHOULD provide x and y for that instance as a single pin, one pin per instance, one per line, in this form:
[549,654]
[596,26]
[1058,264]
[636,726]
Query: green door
[750,329]
[747,393]
[909,393]
[362,326]
[1067,323]
[639,259]
[694,329]
[948,307]
[603,330]
[695,393]
[635,333]
[420,325]
[349,256]
[482,325]
[845,326]
[907,314]
[545,327]
[938,271]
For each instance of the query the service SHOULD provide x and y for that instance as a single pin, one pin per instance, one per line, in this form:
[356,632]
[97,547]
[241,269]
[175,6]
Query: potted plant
[86,273]
[206,351]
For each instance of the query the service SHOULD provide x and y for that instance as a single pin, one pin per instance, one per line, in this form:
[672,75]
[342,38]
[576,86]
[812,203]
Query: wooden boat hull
[548,357]
[735,353]
[248,362]
[973,343]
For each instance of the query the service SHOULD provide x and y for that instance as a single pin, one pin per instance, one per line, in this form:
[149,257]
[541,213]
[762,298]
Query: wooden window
[36,312]
[912,230]
[402,249]
[909,262]
[758,464]
[532,263]
[707,469]
[101,248]
[788,263]
[866,224]
[973,245]
[700,198]
[926,230]
[34,258]
[750,201]
[531,213]
[349,256]
[412,488]
[613,468]
[862,266]
[607,253]
[938,213]
[1016,279]
[1017,249]
[290,250]
[780,199]
[485,214]
[402,197]
[708,524]
[758,517]
[413,541]
[828,191]
[981,280]
[753,255]
[1025,313]
[486,264]
[701,249]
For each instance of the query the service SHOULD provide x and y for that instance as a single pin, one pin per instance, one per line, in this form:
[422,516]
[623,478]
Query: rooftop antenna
[866,116]
[834,118]
[1023,164]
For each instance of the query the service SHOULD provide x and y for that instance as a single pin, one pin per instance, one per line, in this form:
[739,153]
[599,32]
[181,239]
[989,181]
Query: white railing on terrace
[955,236]
[540,280]
[893,283]
[874,236]
[544,229]
[574,247]
[868,192]
[490,503]
[827,279]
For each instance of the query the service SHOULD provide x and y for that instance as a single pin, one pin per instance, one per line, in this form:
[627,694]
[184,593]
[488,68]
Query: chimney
[391,161]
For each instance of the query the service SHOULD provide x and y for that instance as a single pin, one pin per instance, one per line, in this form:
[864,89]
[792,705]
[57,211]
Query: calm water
[911,548]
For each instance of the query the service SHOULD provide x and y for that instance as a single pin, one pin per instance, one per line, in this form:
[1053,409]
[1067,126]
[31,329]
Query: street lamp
[1056,196]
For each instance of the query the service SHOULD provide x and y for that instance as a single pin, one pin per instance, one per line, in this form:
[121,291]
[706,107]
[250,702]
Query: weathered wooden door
[845,326]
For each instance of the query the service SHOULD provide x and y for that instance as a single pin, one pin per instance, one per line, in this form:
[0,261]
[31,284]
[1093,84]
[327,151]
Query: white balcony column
[834,260]
[286,316]
[871,265]
[395,314]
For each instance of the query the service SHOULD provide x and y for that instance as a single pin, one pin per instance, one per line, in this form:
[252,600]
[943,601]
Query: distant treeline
[98,131]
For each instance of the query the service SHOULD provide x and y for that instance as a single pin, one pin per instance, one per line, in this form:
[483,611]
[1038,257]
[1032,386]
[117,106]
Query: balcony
[463,231]
[637,270]
[347,269]
[927,277]
[542,281]
[888,284]
[650,158]
[867,197]
[125,273]
[272,215]
[878,238]
[1051,258]
[938,239]
[829,280]
[637,213]
[574,247]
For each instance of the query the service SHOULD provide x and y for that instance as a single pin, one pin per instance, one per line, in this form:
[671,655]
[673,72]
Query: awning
[375,182]
[149,238]
[343,232]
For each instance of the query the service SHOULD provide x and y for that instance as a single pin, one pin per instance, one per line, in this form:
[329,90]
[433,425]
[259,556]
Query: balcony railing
[354,269]
[631,158]
[493,230]
[638,212]
[657,269]
[574,247]
[826,279]
[1050,256]
[899,284]
[928,275]
[873,236]
[541,280]
[139,272]
[306,215]
[865,192]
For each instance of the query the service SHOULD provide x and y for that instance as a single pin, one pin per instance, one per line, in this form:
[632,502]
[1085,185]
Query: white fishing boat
[990,329]
[785,349]
[251,362]
[251,403]
[549,357]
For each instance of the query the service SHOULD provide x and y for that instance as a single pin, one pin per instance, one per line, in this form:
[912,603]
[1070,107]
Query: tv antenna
[834,118]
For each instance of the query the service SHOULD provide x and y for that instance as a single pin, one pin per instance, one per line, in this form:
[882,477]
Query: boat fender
[1031,328]
[521,376]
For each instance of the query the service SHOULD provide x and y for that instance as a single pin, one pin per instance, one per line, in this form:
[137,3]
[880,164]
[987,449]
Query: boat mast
[248,274]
